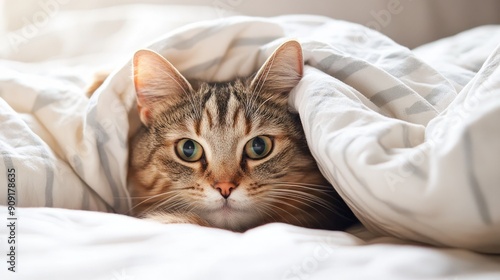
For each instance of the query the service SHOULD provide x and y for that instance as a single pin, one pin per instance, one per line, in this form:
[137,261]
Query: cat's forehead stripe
[206,95]
[222,100]
[209,118]
[248,126]
[236,115]
[222,105]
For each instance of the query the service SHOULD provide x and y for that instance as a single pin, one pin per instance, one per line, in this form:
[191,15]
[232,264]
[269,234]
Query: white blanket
[79,245]
[412,146]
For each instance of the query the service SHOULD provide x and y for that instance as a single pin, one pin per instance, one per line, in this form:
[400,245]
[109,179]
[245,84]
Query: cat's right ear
[157,84]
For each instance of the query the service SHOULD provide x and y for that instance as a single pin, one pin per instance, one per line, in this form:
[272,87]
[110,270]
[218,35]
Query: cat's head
[230,152]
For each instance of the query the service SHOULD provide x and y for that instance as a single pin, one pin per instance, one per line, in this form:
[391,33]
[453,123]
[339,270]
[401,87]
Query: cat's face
[230,152]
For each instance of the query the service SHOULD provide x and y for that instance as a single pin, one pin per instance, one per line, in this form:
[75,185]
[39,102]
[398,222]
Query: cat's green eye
[258,147]
[189,150]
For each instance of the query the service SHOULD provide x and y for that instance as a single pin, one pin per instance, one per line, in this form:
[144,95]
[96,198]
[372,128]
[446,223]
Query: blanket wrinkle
[408,140]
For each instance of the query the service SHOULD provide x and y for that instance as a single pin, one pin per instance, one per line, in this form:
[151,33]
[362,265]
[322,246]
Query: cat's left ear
[280,73]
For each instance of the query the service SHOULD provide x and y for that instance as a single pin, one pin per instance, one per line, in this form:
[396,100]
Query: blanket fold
[412,145]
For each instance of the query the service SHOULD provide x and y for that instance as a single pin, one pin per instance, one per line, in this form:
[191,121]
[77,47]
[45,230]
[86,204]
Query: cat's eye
[258,147]
[189,150]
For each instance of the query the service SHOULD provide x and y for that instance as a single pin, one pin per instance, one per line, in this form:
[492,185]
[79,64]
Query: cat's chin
[231,217]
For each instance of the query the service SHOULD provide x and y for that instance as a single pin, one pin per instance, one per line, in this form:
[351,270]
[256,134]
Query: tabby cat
[229,155]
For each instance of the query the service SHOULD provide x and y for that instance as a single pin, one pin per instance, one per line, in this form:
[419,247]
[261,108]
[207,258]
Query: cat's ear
[280,73]
[157,84]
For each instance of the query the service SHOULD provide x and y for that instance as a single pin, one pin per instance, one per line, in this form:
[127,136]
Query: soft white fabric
[412,146]
[60,244]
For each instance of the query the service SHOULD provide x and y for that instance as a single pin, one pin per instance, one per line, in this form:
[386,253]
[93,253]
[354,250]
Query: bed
[409,139]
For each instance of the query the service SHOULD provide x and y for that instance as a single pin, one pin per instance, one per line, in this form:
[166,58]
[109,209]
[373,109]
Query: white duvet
[410,139]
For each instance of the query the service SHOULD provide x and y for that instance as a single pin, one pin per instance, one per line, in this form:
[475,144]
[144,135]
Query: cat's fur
[225,188]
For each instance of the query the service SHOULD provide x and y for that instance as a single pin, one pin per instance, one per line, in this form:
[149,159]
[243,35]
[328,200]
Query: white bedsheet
[70,244]
[409,139]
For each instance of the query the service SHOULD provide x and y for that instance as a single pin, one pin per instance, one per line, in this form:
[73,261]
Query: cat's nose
[225,188]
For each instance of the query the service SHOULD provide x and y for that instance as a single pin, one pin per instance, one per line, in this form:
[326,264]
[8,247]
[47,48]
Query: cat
[229,155]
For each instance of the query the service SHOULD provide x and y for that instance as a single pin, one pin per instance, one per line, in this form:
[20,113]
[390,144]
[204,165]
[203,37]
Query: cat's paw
[176,218]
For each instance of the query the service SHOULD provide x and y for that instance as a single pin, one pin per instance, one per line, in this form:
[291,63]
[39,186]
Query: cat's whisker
[277,199]
[193,206]
[133,197]
[310,193]
[178,205]
[276,217]
[304,185]
[320,201]
[262,214]
[160,203]
[268,206]
[308,203]
[305,190]
[307,197]
[334,207]
[148,198]
[328,191]
[172,203]
[271,200]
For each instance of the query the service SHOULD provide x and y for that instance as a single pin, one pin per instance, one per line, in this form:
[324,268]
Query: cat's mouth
[227,207]
[230,214]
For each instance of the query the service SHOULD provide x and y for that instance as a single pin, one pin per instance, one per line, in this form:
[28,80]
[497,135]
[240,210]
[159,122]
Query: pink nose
[225,188]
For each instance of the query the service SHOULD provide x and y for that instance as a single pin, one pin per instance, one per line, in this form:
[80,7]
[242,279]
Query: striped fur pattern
[285,186]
